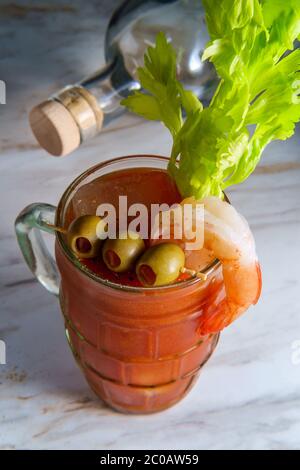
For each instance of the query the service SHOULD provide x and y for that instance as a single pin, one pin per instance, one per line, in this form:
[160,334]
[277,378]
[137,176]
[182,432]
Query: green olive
[160,265]
[82,236]
[120,254]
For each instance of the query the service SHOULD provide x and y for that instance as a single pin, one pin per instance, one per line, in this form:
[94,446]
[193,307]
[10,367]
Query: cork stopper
[54,128]
[62,123]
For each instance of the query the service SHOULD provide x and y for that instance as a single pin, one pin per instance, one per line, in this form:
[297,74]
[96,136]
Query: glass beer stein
[138,347]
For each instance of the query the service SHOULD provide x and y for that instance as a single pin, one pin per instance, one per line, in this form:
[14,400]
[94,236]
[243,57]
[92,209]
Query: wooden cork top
[61,124]
[54,128]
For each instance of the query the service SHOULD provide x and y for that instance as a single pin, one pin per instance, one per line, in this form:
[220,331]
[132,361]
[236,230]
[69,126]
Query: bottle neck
[95,101]
[109,86]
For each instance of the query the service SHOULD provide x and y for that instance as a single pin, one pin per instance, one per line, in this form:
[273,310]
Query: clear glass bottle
[78,112]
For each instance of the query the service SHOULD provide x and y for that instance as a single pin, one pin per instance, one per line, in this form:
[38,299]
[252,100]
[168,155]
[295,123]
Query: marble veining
[248,396]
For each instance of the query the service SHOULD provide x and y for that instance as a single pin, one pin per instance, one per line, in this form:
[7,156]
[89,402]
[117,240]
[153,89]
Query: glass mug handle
[28,225]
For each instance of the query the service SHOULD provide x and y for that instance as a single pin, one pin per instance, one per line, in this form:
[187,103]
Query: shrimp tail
[220,314]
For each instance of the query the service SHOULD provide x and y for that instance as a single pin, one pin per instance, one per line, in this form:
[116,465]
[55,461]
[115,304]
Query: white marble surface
[249,394]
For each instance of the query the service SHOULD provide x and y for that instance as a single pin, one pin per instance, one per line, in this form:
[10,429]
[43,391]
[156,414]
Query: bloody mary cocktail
[140,348]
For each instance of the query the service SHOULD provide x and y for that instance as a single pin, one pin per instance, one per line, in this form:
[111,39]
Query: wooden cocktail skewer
[57,229]
[194,273]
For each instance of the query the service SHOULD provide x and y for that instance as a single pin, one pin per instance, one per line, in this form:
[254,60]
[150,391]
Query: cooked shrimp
[228,236]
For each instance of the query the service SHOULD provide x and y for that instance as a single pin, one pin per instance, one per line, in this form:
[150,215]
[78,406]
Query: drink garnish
[257,101]
[120,254]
